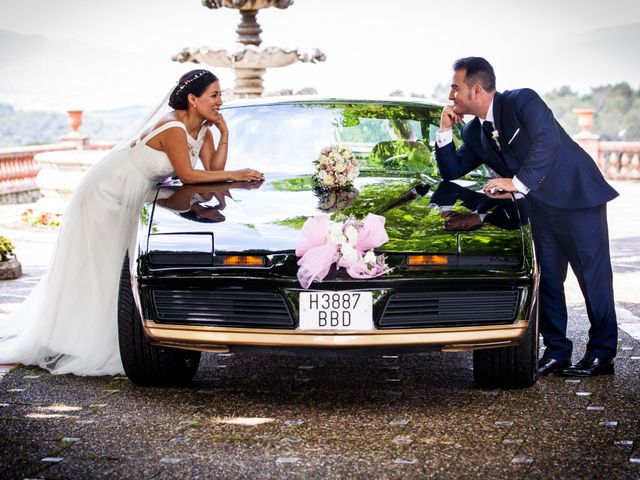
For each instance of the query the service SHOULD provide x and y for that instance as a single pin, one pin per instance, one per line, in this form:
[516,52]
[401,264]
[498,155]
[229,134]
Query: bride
[68,323]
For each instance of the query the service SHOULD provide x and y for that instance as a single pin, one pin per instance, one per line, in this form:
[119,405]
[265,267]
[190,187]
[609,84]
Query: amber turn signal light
[427,260]
[243,260]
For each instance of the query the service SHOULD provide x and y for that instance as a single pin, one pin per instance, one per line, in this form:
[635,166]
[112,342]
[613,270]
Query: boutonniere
[496,138]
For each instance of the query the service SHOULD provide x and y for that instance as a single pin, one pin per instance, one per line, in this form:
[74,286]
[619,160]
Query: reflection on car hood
[422,216]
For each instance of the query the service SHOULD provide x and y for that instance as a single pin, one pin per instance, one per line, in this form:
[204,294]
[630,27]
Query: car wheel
[509,367]
[144,363]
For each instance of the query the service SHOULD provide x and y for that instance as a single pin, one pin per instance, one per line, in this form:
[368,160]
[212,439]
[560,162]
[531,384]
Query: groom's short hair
[478,70]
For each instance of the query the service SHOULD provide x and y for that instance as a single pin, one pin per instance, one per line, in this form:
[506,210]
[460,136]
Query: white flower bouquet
[336,168]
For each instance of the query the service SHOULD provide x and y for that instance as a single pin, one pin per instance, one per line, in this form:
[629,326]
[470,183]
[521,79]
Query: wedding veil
[146,123]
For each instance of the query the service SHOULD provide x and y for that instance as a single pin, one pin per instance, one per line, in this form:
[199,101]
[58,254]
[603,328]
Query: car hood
[422,215]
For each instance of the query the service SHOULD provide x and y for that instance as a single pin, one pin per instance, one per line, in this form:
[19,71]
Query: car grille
[222,308]
[466,307]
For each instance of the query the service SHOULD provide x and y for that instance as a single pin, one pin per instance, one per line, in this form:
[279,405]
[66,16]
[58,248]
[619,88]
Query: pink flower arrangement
[336,167]
[46,219]
[348,243]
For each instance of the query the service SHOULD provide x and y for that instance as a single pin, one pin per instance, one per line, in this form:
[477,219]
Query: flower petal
[372,233]
[315,264]
[313,234]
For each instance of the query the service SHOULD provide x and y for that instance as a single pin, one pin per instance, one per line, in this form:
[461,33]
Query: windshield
[289,137]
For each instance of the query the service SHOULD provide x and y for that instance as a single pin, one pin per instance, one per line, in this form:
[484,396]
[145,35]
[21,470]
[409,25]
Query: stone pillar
[587,140]
[74,119]
[248,82]
[249,29]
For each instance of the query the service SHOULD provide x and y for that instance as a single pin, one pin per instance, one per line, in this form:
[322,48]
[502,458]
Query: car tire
[144,363]
[509,367]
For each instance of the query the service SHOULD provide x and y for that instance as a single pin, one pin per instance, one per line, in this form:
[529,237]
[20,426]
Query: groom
[516,135]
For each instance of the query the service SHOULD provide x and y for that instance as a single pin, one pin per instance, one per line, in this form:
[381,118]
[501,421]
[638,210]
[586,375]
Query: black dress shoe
[548,365]
[589,366]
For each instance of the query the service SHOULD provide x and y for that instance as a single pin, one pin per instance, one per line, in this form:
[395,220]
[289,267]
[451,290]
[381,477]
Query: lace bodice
[154,164]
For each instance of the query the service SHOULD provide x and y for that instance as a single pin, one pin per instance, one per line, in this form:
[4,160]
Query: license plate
[329,310]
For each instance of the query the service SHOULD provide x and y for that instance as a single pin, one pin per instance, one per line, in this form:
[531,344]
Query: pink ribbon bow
[318,253]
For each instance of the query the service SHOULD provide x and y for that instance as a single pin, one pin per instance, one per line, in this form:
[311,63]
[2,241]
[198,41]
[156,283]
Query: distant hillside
[20,128]
[585,60]
[37,73]
[617,117]
[40,78]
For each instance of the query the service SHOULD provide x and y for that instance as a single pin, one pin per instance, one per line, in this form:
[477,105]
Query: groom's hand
[449,118]
[499,185]
[463,221]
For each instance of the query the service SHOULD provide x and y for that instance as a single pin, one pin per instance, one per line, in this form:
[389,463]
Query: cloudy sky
[372,47]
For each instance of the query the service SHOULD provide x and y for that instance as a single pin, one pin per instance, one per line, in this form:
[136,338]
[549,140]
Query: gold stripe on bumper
[450,339]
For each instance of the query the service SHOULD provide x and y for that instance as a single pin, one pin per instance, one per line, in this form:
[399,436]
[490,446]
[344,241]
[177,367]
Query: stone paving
[415,416]
[247,416]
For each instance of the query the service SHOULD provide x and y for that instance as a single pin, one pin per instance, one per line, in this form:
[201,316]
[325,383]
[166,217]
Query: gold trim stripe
[459,338]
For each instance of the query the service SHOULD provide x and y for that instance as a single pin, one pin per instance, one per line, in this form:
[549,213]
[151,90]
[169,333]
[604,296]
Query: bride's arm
[214,158]
[174,144]
[217,155]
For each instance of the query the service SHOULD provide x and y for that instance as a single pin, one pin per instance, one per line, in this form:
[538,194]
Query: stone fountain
[248,61]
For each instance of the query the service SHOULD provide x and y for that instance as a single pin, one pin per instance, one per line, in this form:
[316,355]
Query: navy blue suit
[567,198]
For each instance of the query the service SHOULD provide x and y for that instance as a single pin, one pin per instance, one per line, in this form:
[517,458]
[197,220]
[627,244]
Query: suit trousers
[580,238]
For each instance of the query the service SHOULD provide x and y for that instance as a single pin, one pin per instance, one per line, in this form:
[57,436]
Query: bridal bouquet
[336,167]
[348,243]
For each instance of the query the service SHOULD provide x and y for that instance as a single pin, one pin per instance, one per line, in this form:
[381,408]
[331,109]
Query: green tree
[617,109]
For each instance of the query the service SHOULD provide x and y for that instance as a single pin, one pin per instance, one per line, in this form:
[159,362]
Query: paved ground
[247,416]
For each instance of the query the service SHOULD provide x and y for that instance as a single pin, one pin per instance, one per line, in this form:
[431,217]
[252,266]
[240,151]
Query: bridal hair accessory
[182,86]
[336,167]
[348,243]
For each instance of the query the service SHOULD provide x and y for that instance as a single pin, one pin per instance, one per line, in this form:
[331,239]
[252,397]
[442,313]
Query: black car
[215,268]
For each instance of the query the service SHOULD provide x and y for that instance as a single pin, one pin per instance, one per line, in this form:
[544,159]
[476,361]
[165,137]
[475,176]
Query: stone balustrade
[619,160]
[18,171]
[19,168]
[616,160]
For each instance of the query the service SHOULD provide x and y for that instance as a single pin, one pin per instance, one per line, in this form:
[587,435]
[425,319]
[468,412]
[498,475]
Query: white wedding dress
[68,324]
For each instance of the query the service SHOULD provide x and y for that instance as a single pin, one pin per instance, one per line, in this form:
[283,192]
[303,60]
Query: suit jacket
[533,147]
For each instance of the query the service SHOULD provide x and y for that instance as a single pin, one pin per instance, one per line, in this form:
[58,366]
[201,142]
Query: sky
[373,47]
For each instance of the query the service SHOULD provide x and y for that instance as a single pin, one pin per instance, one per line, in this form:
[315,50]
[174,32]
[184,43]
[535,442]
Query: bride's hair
[212,215]
[195,82]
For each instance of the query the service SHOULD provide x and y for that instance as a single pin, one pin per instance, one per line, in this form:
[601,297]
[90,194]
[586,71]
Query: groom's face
[461,95]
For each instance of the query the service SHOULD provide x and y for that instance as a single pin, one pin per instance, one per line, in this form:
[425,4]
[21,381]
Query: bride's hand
[246,175]
[219,123]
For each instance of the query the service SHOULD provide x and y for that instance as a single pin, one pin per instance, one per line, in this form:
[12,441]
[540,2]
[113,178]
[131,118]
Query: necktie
[487,127]
[489,145]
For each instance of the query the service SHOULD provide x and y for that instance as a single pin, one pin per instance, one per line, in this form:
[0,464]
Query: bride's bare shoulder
[169,117]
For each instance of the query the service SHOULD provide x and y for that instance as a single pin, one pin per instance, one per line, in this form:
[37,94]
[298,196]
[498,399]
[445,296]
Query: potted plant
[10,267]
